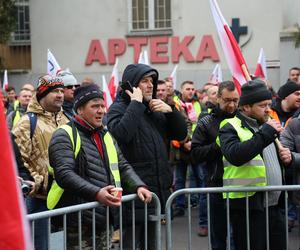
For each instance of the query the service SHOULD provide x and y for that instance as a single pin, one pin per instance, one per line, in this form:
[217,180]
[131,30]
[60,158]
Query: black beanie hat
[254,91]
[287,89]
[46,84]
[85,93]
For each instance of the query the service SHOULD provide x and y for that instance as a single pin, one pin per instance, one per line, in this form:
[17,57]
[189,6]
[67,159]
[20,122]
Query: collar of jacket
[221,114]
[86,128]
[247,121]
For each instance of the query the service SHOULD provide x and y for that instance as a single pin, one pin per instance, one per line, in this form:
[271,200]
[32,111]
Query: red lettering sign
[157,49]
[95,53]
[181,48]
[116,47]
[137,44]
[207,49]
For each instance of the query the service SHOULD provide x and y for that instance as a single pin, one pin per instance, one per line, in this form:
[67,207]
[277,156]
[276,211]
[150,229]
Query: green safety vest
[56,191]
[252,173]
[17,113]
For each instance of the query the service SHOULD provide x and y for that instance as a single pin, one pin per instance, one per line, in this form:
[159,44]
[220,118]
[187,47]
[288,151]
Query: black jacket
[141,135]
[205,148]
[84,177]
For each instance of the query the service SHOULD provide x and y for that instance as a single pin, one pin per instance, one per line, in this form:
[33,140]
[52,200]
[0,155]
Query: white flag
[143,58]
[5,81]
[52,64]
[173,76]
[107,96]
[216,76]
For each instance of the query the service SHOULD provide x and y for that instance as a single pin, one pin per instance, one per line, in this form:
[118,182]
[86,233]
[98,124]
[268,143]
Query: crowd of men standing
[69,150]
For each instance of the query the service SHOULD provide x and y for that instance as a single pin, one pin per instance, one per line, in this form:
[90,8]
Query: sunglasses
[72,86]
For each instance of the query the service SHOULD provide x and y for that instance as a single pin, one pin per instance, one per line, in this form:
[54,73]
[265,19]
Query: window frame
[151,30]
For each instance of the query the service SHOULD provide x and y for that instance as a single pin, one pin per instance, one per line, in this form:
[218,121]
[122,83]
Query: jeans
[180,180]
[200,175]
[35,205]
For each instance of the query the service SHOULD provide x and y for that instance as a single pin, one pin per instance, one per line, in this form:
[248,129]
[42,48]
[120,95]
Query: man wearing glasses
[205,150]
[70,84]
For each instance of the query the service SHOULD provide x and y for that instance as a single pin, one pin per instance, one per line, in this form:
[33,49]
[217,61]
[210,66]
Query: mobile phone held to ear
[126,86]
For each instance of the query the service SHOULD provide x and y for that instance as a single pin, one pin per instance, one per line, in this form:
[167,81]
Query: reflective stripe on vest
[113,158]
[197,109]
[56,191]
[252,173]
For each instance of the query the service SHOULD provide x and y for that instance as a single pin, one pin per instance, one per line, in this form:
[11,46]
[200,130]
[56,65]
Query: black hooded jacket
[141,134]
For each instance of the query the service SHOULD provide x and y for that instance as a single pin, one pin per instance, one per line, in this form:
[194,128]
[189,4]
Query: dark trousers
[218,222]
[257,229]
[139,236]
[35,205]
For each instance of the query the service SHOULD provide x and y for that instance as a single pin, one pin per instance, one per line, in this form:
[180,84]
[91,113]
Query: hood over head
[134,73]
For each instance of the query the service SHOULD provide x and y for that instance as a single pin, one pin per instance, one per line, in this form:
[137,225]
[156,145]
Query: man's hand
[136,95]
[144,194]
[32,188]
[276,125]
[105,197]
[285,155]
[157,105]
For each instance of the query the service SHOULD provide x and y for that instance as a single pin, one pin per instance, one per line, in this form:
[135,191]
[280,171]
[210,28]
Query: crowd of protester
[70,150]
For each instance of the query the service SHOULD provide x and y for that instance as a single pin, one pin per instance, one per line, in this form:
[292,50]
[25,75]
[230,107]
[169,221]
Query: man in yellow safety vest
[251,158]
[87,166]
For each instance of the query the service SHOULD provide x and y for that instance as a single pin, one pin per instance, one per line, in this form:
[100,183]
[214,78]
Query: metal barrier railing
[92,206]
[208,191]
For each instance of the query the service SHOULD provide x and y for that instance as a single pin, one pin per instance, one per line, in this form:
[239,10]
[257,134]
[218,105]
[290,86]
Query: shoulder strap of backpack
[33,121]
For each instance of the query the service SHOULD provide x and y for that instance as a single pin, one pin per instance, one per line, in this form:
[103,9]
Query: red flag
[231,49]
[15,229]
[114,81]
[261,67]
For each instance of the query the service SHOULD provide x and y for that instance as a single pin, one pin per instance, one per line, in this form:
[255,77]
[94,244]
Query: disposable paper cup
[117,192]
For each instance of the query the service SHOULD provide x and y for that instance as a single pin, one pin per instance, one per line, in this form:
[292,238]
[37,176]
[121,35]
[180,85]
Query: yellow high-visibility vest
[252,173]
[56,191]
[17,113]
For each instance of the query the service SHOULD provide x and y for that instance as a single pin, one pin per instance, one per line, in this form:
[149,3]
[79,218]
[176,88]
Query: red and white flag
[261,66]
[5,81]
[143,58]
[106,93]
[231,49]
[114,81]
[15,229]
[52,64]
[216,75]
[173,76]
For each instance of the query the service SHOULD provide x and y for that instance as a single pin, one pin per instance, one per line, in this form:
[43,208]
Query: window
[149,15]
[22,33]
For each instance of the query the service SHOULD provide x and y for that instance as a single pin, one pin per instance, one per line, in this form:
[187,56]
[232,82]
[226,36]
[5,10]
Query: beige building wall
[68,26]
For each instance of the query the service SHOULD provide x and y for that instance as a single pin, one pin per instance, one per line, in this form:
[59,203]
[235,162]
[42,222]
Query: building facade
[87,36]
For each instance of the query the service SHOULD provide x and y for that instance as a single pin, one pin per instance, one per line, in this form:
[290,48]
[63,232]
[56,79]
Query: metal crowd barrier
[92,206]
[208,191]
